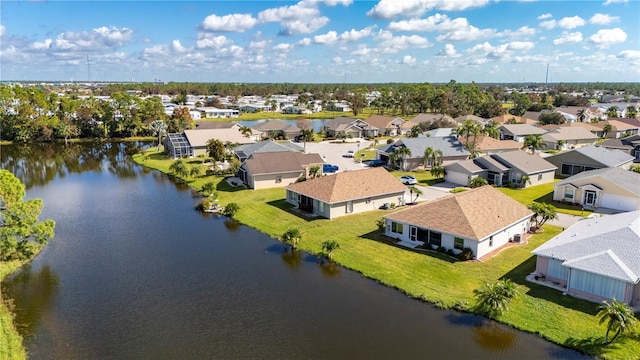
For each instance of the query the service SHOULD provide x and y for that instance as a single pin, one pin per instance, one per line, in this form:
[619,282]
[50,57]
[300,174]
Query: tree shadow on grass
[518,276]
[592,345]
[283,205]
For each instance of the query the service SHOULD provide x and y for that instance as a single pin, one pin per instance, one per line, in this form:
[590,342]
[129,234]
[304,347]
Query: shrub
[441,249]
[231,209]
[389,141]
[381,224]
[466,254]
[450,252]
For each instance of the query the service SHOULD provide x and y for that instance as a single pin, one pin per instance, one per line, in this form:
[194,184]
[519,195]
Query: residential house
[350,127]
[589,158]
[618,144]
[507,118]
[568,137]
[205,124]
[274,128]
[193,143]
[452,150]
[264,170]
[439,132]
[296,110]
[348,192]
[531,117]
[611,188]
[518,132]
[485,145]
[481,219]
[501,169]
[463,118]
[596,259]
[243,152]
[440,119]
[212,112]
[618,127]
[389,125]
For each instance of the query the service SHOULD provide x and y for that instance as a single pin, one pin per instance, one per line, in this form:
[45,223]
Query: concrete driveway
[333,152]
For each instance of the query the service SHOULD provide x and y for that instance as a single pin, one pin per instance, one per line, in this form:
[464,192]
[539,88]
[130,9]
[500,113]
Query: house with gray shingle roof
[596,259]
[451,148]
[481,219]
[502,169]
[274,128]
[389,125]
[347,126]
[611,188]
[264,170]
[518,132]
[589,158]
[571,137]
[243,152]
[348,192]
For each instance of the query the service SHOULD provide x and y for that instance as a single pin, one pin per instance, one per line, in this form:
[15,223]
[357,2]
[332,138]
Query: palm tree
[436,157]
[632,112]
[493,299]
[612,111]
[178,168]
[618,316]
[543,212]
[159,129]
[416,130]
[524,180]
[195,171]
[328,246]
[216,149]
[437,170]
[415,190]
[307,135]
[560,144]
[314,171]
[245,131]
[533,142]
[292,237]
[581,115]
[428,153]
[477,182]
[403,152]
[491,129]
[606,130]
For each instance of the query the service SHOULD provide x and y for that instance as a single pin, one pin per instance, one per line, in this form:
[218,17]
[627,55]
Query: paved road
[333,153]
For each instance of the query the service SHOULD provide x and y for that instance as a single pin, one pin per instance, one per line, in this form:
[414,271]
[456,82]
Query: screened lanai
[177,145]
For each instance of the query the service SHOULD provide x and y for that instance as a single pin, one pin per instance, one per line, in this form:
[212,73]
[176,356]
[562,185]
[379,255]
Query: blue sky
[321,41]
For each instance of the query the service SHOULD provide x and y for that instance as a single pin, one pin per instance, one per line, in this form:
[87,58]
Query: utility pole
[546,79]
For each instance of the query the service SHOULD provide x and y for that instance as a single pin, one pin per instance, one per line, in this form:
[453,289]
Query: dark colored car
[375,163]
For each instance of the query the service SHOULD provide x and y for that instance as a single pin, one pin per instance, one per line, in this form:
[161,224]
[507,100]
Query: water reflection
[329,268]
[232,225]
[36,292]
[493,336]
[292,258]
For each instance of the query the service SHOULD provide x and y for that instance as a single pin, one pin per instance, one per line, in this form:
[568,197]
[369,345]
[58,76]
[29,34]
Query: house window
[292,196]
[539,177]
[568,193]
[278,179]
[349,207]
[435,238]
[397,227]
[458,243]
[491,241]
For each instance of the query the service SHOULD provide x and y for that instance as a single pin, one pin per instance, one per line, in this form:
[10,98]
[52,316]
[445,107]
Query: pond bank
[432,278]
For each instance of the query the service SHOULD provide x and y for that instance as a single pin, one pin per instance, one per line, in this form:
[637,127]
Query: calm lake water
[134,272]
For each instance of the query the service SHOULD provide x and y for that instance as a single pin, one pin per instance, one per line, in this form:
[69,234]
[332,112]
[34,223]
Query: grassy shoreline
[430,277]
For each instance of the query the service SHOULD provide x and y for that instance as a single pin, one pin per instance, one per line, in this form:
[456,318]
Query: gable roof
[275,125]
[624,178]
[420,118]
[473,214]
[449,145]
[199,138]
[616,144]
[384,122]
[504,118]
[350,185]
[280,162]
[339,121]
[608,246]
[244,151]
[488,143]
[606,157]
[522,129]
[530,164]
[475,118]
[569,133]
[206,124]
[439,132]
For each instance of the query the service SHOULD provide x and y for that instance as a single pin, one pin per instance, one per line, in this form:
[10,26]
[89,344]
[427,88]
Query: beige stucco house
[264,170]
[588,158]
[481,219]
[611,188]
[348,192]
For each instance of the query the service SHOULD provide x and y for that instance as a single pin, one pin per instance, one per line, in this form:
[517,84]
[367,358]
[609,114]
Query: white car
[350,154]
[408,180]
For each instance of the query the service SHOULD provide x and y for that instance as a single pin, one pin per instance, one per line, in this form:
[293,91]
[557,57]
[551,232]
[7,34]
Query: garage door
[623,203]
[457,178]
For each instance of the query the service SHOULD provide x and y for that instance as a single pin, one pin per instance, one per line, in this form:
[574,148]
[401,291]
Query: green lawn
[11,347]
[429,276]
[543,194]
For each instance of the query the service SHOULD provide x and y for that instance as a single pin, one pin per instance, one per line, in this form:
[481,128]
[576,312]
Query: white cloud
[305,42]
[520,45]
[485,52]
[545,16]
[332,37]
[329,38]
[283,47]
[362,50]
[571,22]
[337,60]
[2,30]
[603,19]
[607,37]
[630,55]
[209,41]
[99,39]
[302,18]
[177,46]
[549,24]
[609,2]
[449,51]
[394,44]
[457,29]
[522,32]
[229,23]
[387,9]
[408,60]
[567,37]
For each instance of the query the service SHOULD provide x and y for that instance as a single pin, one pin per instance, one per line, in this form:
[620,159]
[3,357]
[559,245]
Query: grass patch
[543,194]
[429,276]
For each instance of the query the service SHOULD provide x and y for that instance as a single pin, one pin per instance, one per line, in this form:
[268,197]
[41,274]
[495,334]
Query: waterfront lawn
[10,341]
[543,194]
[429,276]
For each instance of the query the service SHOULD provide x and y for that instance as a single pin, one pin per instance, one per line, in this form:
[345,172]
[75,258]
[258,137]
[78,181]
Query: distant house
[481,219]
[212,112]
[277,129]
[589,158]
[350,127]
[611,188]
[463,118]
[249,108]
[243,152]
[595,259]
[619,127]
[487,145]
[518,132]
[264,170]
[193,143]
[348,192]
[570,137]
[296,110]
[389,125]
[452,150]
[433,118]
[204,124]
[502,169]
[439,132]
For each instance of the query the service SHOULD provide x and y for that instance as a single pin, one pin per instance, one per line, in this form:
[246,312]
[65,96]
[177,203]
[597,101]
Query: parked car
[408,180]
[375,163]
[350,154]
[328,168]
